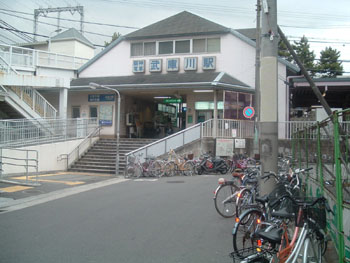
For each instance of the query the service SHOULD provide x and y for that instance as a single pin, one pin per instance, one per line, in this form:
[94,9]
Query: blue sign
[190,63]
[209,63]
[105,123]
[155,65]
[100,97]
[138,66]
[172,64]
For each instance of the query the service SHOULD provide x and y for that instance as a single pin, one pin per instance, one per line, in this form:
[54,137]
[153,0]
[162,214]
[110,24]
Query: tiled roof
[181,24]
[72,33]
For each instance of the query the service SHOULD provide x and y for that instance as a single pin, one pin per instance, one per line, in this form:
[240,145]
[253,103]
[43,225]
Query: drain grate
[175,182]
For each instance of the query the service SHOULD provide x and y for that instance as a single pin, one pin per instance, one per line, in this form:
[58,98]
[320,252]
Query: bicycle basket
[316,214]
[276,193]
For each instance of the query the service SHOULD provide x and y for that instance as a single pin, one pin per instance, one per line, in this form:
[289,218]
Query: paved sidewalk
[48,184]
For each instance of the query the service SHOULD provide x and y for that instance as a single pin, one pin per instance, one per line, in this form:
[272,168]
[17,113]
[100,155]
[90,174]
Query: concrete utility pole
[257,76]
[269,93]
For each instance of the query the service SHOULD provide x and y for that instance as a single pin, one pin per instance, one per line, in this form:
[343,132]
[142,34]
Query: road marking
[12,189]
[43,198]
[145,180]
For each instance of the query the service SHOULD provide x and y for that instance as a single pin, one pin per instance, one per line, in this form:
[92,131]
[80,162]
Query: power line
[19,31]
[93,33]
[72,20]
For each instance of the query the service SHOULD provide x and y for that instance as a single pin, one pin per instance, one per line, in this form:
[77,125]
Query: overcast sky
[319,20]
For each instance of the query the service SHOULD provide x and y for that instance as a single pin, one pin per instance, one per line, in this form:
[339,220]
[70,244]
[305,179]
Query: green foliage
[283,51]
[306,56]
[329,66]
[114,37]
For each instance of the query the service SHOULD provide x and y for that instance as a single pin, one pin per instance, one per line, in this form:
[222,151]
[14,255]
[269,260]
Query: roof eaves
[243,37]
[289,65]
[99,55]
[178,35]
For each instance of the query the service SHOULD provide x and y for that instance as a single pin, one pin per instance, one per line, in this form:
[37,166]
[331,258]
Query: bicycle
[178,164]
[136,169]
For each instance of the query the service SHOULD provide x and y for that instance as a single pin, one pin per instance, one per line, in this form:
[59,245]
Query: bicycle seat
[262,199]
[274,236]
[283,213]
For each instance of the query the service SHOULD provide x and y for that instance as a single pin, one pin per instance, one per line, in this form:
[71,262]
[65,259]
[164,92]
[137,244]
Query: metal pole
[319,156]
[339,188]
[118,135]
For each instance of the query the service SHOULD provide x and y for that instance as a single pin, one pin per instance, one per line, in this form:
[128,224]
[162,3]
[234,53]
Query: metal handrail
[27,164]
[76,153]
[9,66]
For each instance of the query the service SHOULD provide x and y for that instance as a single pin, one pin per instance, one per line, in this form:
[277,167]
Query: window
[136,49]
[213,45]
[182,46]
[149,48]
[166,47]
[93,111]
[198,45]
[76,112]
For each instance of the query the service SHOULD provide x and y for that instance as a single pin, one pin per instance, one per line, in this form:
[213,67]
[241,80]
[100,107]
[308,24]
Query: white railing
[35,101]
[30,58]
[228,129]
[82,148]
[15,133]
[173,141]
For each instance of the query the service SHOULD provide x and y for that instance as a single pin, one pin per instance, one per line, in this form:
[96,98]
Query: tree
[307,57]
[114,37]
[302,49]
[329,66]
[283,51]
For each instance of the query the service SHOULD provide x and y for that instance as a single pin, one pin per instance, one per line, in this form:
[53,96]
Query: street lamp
[94,86]
[56,31]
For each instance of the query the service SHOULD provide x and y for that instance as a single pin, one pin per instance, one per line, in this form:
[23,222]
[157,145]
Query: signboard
[224,147]
[172,100]
[234,133]
[155,65]
[100,97]
[209,63]
[138,66]
[239,143]
[248,112]
[172,64]
[106,115]
[190,64]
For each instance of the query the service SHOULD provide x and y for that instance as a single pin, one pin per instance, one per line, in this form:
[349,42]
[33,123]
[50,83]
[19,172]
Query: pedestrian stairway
[101,156]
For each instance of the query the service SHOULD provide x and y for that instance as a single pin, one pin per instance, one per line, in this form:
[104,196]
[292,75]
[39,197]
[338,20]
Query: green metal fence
[328,153]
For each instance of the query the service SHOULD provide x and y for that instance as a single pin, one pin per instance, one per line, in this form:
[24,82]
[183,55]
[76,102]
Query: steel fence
[325,146]
[22,132]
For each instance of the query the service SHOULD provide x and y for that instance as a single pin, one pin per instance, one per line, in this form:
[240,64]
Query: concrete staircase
[101,157]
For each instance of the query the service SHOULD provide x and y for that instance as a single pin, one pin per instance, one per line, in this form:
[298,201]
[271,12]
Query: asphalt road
[170,220]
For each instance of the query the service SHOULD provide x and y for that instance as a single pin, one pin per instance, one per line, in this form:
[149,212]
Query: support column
[63,103]
[215,113]
[269,94]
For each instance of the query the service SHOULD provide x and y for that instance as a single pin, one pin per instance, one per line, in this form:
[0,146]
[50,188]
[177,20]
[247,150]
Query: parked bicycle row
[176,164]
[283,226]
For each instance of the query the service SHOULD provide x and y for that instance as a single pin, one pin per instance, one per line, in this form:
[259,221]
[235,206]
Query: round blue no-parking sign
[248,112]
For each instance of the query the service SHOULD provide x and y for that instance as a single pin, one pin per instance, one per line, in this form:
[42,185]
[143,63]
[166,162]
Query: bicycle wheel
[244,235]
[156,169]
[170,169]
[245,198]
[312,250]
[133,171]
[188,168]
[225,201]
[224,169]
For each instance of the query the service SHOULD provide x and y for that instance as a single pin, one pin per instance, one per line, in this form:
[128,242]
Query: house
[179,71]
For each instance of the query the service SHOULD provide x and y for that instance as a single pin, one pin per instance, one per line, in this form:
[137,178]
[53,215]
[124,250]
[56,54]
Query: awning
[184,81]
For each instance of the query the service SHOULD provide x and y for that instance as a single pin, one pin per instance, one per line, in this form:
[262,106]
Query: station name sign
[173,64]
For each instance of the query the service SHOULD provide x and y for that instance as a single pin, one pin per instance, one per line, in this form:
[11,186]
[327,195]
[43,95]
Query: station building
[174,73]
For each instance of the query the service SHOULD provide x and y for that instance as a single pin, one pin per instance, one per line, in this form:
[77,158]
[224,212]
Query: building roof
[248,32]
[181,24]
[72,33]
[155,81]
